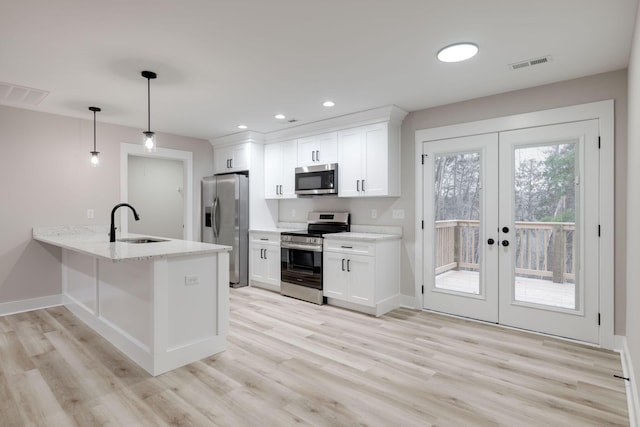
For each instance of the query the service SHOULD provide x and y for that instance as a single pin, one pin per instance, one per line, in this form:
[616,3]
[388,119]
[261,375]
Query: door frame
[603,111]
[186,157]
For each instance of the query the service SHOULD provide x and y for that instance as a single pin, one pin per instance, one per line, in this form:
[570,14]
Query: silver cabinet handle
[363,185]
[348,265]
[346,247]
[264,238]
[280,186]
[318,156]
[358,185]
[313,156]
[265,253]
[342,264]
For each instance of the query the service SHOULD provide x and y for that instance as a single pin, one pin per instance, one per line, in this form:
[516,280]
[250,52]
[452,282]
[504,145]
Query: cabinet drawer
[265,238]
[350,247]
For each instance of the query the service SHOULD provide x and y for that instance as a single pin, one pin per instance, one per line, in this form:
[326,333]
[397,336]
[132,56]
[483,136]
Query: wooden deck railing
[543,249]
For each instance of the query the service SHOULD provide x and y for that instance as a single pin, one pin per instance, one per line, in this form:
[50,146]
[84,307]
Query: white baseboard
[14,307]
[631,385]
[409,302]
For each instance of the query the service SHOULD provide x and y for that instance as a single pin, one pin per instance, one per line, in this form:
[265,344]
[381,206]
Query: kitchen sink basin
[141,240]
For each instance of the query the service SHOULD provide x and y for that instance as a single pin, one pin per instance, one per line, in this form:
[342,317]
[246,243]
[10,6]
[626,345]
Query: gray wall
[47,180]
[633,210]
[612,85]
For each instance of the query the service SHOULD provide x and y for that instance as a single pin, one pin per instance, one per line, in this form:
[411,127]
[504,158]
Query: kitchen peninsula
[163,303]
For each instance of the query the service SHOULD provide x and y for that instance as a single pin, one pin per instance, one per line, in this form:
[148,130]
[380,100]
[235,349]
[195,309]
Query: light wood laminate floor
[294,363]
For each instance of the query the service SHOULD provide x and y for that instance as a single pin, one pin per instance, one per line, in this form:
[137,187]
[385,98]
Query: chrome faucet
[112,231]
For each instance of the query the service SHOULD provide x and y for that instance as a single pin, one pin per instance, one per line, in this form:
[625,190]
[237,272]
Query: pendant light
[94,154]
[149,137]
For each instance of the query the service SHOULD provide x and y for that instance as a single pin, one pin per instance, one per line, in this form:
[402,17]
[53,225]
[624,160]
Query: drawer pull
[346,247]
[264,238]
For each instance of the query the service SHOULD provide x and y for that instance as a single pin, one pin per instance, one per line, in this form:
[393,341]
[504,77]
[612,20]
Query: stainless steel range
[301,255]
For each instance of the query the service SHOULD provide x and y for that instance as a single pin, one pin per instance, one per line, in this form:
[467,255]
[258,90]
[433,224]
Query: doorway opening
[162,185]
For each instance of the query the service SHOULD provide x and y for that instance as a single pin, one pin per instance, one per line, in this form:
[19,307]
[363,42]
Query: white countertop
[274,230]
[94,241]
[364,237]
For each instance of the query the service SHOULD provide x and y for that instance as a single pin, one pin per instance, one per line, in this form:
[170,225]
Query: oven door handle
[301,247]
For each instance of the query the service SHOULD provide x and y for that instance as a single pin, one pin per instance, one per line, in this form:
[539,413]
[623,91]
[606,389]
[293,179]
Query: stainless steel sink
[141,240]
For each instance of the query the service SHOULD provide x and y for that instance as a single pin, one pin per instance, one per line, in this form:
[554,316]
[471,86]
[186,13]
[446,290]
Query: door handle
[505,243]
[318,156]
[491,241]
[358,185]
[313,156]
[265,253]
[348,265]
[231,162]
[214,215]
[505,229]
[280,190]
[363,185]
[261,256]
[342,264]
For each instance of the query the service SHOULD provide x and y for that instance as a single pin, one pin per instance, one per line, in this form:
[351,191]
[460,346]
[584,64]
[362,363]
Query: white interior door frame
[603,111]
[161,153]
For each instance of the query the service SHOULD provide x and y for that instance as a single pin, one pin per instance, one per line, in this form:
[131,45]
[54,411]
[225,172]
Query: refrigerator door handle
[215,213]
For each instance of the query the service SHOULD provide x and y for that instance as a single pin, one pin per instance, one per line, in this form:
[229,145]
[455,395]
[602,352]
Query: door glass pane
[457,222]
[546,203]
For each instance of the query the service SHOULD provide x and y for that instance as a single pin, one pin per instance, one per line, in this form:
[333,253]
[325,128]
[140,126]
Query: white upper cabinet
[232,158]
[318,149]
[369,161]
[279,170]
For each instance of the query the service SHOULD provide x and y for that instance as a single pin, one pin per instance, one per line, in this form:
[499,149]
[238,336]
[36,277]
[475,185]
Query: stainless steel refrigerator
[225,220]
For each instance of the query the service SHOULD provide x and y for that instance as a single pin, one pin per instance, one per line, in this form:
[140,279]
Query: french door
[511,228]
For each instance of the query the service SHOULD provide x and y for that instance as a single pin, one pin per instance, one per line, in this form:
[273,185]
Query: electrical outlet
[89,213]
[398,214]
[191,280]
[374,213]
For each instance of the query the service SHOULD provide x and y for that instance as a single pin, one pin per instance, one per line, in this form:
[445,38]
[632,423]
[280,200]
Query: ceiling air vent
[530,62]
[20,95]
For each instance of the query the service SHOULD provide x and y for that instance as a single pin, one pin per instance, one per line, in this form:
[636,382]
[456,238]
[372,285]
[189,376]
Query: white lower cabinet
[362,275]
[264,264]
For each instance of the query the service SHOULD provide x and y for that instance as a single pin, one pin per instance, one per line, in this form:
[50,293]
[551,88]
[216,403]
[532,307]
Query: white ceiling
[221,63]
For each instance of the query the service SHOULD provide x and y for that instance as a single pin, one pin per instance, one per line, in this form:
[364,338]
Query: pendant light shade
[149,136]
[94,154]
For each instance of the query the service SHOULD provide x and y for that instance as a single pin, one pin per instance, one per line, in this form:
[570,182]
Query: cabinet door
[288,169]
[334,279]
[272,171]
[272,263]
[231,159]
[376,163]
[307,148]
[362,280]
[240,157]
[221,157]
[258,266]
[350,162]
[327,151]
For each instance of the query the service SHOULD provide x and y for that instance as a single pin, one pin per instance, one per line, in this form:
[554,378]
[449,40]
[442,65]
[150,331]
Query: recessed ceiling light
[280,116]
[457,52]
[242,126]
[328,104]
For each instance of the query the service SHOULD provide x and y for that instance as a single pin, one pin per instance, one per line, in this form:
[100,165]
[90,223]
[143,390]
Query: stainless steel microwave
[317,179]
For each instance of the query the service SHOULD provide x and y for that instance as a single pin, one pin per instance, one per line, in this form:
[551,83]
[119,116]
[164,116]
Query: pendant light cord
[94,130]
[148,104]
